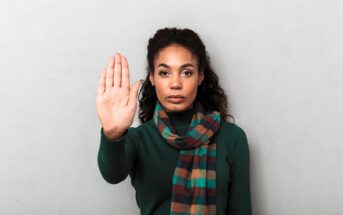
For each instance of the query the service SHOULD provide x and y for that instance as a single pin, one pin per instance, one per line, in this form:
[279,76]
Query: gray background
[279,61]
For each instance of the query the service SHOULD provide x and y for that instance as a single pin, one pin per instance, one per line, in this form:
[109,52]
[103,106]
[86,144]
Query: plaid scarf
[194,180]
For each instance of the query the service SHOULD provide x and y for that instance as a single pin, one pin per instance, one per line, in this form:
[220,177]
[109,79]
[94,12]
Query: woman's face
[176,78]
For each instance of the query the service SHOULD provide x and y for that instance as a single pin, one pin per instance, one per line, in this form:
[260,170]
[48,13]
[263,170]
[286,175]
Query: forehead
[175,54]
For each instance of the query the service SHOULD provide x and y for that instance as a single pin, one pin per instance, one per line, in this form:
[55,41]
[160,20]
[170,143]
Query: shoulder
[234,139]
[141,129]
[234,130]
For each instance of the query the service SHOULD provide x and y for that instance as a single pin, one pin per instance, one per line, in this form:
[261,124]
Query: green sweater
[150,161]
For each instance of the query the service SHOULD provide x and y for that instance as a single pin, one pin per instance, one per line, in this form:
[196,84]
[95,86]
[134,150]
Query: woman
[184,157]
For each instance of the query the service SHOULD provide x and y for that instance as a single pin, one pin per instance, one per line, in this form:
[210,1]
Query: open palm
[116,101]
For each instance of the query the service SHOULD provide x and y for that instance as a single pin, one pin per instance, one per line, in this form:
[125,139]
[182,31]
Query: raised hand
[116,101]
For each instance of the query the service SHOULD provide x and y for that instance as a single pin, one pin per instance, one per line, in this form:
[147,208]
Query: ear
[151,77]
[201,77]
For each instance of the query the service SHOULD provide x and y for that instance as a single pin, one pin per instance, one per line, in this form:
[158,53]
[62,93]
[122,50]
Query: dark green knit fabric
[143,154]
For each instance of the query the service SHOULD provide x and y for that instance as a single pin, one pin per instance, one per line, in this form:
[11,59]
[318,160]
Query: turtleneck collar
[181,120]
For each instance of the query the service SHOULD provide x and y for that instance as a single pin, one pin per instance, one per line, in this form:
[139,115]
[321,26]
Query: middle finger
[117,70]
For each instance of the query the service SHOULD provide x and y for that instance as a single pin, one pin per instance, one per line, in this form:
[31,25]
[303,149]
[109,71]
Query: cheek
[191,87]
[161,88]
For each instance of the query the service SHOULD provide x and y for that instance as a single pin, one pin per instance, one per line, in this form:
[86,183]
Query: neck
[181,120]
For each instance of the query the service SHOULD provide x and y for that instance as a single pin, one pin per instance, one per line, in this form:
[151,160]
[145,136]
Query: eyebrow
[183,66]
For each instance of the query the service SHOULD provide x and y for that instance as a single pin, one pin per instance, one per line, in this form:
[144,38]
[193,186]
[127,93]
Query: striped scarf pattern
[194,179]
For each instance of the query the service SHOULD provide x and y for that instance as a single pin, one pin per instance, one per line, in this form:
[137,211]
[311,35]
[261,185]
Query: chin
[172,107]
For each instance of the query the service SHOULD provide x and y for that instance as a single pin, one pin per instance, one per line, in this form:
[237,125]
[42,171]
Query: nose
[175,82]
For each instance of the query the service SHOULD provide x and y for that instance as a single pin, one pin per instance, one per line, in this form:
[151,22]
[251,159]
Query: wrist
[113,134]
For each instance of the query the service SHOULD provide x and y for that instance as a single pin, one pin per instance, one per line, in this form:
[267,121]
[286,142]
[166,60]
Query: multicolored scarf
[194,180]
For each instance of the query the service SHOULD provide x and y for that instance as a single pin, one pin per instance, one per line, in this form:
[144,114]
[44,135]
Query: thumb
[133,94]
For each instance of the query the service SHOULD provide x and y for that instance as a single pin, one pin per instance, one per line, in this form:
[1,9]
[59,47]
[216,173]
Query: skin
[116,101]
[176,73]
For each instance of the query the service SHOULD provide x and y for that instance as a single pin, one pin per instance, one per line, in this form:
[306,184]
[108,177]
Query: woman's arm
[116,158]
[239,190]
[116,106]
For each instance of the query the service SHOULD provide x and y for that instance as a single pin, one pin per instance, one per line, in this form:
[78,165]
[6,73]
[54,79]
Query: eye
[188,72]
[162,73]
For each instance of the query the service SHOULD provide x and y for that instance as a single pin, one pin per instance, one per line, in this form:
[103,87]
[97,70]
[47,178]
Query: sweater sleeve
[116,158]
[239,188]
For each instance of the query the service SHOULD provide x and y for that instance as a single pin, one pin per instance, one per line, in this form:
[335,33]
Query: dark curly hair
[209,93]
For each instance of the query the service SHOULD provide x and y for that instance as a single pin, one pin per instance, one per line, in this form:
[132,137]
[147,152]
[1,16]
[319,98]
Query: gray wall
[280,63]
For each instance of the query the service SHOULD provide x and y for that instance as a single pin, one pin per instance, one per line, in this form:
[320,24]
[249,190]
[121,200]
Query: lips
[176,99]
